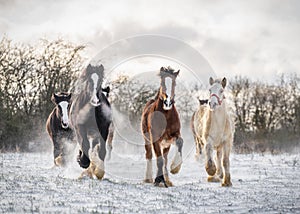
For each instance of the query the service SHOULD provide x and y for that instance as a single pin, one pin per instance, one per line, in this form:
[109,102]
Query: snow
[261,184]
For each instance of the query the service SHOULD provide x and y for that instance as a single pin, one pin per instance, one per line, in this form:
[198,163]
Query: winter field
[261,184]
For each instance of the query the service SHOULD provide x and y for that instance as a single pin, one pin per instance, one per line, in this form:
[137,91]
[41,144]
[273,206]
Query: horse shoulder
[50,122]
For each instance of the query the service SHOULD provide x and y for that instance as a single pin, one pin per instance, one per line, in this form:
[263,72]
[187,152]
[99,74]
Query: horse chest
[167,143]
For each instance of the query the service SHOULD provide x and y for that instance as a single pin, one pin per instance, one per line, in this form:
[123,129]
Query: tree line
[29,74]
[267,115]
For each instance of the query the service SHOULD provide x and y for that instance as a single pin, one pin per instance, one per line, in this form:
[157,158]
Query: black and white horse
[58,126]
[91,119]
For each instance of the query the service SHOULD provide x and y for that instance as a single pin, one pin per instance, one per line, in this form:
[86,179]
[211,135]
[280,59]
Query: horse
[214,129]
[58,127]
[160,127]
[198,142]
[91,119]
[111,129]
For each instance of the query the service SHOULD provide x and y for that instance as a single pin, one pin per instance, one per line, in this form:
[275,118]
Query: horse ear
[69,96]
[211,81]
[107,89]
[162,69]
[176,73]
[101,67]
[88,69]
[54,98]
[224,82]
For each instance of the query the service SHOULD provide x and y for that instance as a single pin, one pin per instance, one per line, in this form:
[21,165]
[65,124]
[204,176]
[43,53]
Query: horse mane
[82,81]
[157,94]
[62,94]
[165,71]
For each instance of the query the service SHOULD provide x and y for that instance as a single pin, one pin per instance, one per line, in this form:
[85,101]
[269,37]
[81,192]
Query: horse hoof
[59,161]
[227,184]
[210,168]
[86,173]
[175,170]
[169,183]
[148,180]
[213,179]
[99,173]
[160,180]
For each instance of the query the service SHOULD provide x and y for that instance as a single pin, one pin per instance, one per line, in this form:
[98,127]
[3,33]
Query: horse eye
[221,90]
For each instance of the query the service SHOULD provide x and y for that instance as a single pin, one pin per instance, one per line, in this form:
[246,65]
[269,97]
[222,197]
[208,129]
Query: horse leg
[177,160]
[160,163]
[57,151]
[210,165]
[99,151]
[225,161]
[198,148]
[109,141]
[219,173]
[84,143]
[167,179]
[148,148]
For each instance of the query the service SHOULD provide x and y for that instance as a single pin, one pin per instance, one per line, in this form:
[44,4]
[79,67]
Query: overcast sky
[257,38]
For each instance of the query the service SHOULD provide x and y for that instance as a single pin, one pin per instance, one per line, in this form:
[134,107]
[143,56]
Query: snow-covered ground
[261,184]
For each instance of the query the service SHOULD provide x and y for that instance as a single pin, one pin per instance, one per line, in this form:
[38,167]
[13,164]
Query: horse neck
[56,113]
[158,104]
[218,116]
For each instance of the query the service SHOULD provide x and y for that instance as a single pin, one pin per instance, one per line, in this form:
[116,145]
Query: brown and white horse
[58,126]
[161,128]
[214,129]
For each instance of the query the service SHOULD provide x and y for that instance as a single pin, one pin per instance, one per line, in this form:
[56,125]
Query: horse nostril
[64,124]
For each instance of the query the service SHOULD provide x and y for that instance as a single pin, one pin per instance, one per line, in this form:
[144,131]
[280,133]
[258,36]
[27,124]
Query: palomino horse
[58,126]
[161,128]
[91,118]
[198,142]
[214,129]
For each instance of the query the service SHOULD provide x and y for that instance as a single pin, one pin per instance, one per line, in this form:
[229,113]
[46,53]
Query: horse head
[216,91]
[62,102]
[167,86]
[93,76]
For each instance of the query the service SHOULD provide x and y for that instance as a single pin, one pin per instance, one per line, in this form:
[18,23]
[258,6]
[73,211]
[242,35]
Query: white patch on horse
[168,83]
[95,79]
[177,160]
[149,170]
[167,143]
[65,117]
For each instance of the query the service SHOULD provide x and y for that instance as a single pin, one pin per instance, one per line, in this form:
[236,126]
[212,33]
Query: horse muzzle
[95,101]
[64,125]
[167,104]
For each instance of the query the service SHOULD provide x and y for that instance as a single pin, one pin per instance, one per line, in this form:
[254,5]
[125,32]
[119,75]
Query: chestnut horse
[58,126]
[214,129]
[161,128]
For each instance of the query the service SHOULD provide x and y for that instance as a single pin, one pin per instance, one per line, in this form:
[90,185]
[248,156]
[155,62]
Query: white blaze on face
[95,79]
[65,116]
[168,83]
